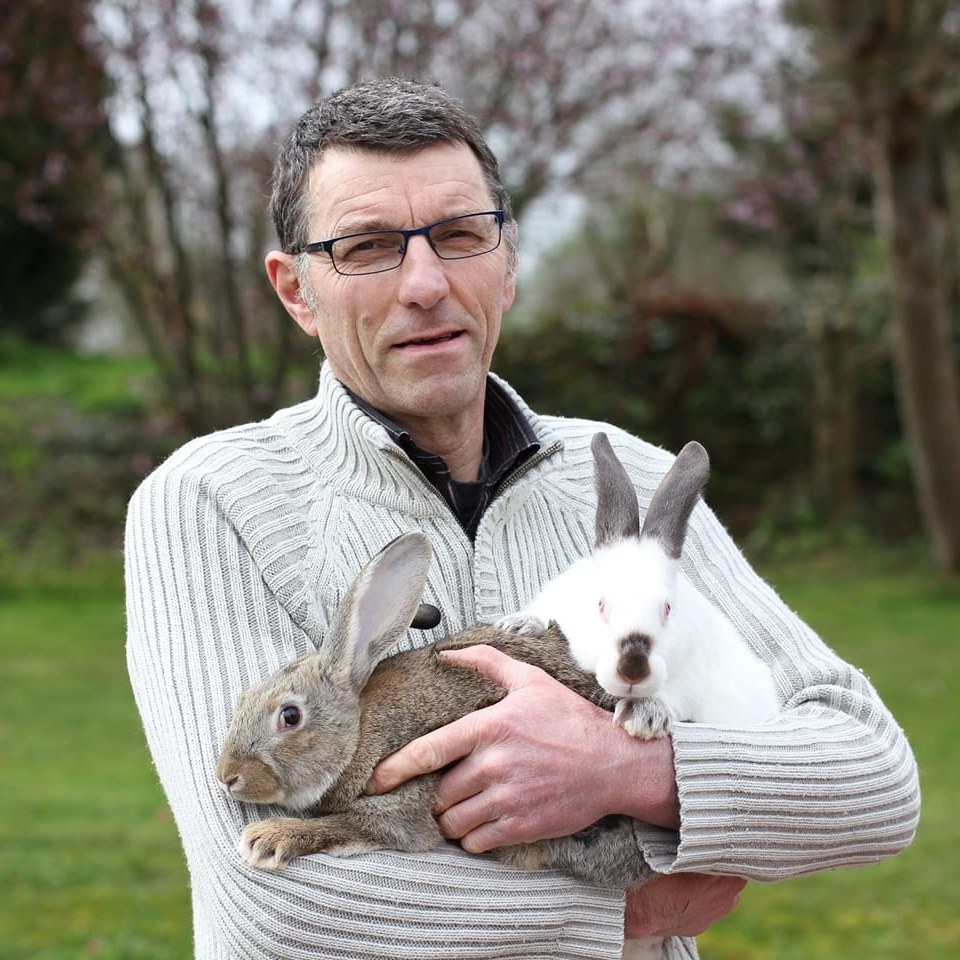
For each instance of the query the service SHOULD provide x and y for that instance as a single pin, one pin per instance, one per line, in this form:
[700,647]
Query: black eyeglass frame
[326,246]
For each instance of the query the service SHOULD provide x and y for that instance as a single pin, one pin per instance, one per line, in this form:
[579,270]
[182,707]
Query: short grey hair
[388,115]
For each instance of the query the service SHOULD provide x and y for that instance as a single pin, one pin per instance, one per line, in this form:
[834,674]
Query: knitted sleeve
[832,782]
[202,624]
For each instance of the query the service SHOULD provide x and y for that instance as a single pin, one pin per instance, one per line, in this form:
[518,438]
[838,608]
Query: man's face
[415,342]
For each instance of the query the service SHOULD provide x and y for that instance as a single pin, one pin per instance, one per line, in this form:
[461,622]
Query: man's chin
[441,396]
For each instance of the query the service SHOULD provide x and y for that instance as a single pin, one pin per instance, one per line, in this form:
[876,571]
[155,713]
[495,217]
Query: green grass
[901,625]
[91,864]
[89,384]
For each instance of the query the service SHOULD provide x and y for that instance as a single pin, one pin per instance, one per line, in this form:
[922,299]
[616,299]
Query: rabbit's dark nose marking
[634,664]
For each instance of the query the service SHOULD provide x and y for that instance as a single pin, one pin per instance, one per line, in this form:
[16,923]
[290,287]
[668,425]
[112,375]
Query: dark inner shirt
[508,441]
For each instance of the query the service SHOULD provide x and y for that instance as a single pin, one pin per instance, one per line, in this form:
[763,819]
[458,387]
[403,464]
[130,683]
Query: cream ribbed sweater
[240,545]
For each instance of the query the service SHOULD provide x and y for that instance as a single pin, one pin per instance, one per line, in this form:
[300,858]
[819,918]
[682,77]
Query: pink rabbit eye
[664,612]
[290,716]
[602,607]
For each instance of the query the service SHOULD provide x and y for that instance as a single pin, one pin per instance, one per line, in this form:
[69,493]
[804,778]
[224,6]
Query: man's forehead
[348,184]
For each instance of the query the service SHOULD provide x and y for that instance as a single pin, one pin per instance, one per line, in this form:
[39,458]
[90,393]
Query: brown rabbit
[309,736]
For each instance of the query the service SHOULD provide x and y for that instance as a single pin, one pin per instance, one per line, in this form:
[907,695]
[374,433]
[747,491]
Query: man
[398,252]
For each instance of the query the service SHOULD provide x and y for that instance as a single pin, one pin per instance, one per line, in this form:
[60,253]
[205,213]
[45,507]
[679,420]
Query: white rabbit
[633,618]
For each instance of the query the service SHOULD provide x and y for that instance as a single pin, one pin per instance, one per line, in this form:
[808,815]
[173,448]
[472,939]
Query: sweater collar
[508,437]
[509,441]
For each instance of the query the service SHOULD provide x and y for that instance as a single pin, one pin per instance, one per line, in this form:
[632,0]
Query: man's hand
[543,762]
[680,904]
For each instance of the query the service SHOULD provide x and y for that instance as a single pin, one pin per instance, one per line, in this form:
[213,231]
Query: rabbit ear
[674,499]
[379,606]
[618,513]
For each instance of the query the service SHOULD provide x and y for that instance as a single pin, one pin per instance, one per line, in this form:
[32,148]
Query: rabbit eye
[664,612]
[289,716]
[604,611]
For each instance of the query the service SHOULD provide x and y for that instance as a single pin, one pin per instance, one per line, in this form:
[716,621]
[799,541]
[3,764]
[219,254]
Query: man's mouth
[428,341]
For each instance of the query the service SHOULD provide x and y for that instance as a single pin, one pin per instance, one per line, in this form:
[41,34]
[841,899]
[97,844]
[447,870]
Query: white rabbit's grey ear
[674,499]
[618,513]
[379,607]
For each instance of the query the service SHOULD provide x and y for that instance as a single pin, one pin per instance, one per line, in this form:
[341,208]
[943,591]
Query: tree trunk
[912,215]
[834,413]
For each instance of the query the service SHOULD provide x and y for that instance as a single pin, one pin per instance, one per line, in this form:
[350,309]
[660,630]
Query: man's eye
[454,234]
[359,246]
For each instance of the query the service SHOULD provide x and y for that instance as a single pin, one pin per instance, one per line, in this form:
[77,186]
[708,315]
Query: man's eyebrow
[373,222]
[365,225]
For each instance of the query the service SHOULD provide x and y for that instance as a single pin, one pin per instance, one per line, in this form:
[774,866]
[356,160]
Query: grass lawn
[901,626]
[91,864]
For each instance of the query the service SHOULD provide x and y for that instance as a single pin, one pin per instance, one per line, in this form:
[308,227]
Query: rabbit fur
[309,736]
[634,620]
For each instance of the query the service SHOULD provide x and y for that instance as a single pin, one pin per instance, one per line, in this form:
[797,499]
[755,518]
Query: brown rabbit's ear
[674,499]
[618,513]
[379,607]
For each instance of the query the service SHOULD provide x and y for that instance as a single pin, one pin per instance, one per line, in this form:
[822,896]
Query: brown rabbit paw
[646,718]
[521,625]
[272,844]
[526,856]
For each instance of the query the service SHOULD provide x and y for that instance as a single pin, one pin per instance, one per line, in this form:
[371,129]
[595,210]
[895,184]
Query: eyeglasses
[377,251]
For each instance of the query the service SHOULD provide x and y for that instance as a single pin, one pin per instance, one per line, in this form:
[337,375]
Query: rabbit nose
[633,664]
[228,780]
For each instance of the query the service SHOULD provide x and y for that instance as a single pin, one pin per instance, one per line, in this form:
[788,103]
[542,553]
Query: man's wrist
[645,781]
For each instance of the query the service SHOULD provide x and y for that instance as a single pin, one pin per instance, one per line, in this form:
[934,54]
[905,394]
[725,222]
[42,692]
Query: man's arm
[830,782]
[203,623]
[543,762]
[574,739]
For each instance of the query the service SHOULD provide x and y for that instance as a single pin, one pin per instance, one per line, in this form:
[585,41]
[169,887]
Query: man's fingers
[486,837]
[457,821]
[426,754]
[456,740]
[495,665]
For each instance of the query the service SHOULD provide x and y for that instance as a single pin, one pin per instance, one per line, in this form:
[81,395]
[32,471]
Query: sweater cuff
[658,846]
[597,930]
[708,815]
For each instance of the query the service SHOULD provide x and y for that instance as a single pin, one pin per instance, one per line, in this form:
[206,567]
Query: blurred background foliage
[739,223]
[738,220]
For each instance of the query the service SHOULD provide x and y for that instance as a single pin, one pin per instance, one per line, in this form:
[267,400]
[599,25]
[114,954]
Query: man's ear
[509,292]
[282,273]
[510,285]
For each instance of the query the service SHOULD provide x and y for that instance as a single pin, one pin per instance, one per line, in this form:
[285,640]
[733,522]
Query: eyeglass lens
[454,239]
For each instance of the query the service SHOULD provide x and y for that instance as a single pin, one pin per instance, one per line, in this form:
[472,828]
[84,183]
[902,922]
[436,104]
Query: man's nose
[423,277]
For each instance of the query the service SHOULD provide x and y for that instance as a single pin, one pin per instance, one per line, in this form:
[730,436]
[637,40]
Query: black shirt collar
[508,441]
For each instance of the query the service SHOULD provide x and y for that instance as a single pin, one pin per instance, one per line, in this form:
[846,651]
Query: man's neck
[506,441]
[458,442]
